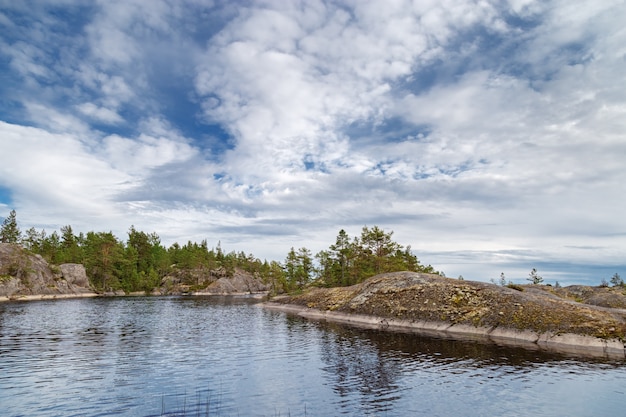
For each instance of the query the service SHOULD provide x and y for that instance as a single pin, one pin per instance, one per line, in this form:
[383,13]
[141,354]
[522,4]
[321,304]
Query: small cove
[150,356]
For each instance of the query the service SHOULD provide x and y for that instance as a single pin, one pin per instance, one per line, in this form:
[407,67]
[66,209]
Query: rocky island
[531,316]
[28,276]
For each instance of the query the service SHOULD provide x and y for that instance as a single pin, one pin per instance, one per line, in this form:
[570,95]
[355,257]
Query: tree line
[349,260]
[140,262]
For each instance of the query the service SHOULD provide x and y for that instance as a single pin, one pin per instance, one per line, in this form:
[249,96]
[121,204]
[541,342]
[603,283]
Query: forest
[141,261]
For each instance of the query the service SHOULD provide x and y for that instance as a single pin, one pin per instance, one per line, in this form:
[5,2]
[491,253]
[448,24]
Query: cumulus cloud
[55,171]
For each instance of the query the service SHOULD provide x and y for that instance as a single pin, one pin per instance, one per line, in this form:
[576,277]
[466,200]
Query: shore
[40,297]
[567,343]
[47,297]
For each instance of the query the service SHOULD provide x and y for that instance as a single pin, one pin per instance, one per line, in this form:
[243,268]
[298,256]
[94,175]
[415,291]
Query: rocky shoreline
[532,316]
[574,344]
[39,297]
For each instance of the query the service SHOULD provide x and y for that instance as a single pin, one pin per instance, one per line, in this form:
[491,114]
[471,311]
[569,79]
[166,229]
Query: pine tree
[10,232]
[534,278]
[341,252]
[502,279]
[70,250]
[617,281]
[33,240]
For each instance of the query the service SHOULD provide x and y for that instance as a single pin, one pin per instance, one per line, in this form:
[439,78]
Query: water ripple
[227,357]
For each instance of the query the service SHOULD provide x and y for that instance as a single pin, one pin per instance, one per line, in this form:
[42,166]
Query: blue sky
[488,135]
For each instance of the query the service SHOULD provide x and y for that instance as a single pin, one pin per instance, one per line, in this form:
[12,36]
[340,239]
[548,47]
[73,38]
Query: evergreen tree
[350,262]
[342,252]
[160,257]
[70,250]
[502,279]
[277,278]
[51,248]
[138,241]
[10,232]
[534,278]
[616,280]
[33,240]
[326,273]
[411,263]
[305,267]
[378,247]
[104,260]
[291,268]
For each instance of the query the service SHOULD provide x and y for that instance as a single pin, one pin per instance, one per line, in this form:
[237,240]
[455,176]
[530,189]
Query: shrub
[515,287]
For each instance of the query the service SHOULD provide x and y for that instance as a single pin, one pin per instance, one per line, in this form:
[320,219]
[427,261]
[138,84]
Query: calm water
[228,357]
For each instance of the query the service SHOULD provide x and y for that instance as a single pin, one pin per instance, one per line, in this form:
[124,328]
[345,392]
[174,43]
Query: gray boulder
[25,274]
[75,274]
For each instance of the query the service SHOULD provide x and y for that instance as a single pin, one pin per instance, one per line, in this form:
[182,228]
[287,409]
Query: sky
[489,135]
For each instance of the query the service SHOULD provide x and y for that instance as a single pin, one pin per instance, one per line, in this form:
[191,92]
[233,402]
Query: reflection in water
[382,373]
[358,366]
[227,357]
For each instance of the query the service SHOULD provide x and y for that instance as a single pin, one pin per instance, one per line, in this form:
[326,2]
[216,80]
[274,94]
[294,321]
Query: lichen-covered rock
[415,297]
[612,297]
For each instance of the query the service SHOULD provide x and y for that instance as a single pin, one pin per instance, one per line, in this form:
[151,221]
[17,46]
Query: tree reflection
[358,368]
[367,365]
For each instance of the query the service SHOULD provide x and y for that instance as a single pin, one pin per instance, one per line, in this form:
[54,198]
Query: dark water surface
[229,357]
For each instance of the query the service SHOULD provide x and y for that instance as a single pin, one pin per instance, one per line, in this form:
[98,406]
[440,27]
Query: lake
[225,356]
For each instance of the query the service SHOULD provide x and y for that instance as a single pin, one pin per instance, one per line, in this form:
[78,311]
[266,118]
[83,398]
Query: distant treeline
[141,262]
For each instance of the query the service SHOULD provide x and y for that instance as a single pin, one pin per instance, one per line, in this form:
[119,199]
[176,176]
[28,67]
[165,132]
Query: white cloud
[55,171]
[482,132]
[159,146]
[77,185]
[54,120]
[284,102]
[100,114]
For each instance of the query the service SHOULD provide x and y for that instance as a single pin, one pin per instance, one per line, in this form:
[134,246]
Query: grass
[207,405]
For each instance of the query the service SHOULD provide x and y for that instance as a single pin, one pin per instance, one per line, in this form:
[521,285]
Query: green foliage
[617,281]
[274,274]
[110,264]
[298,268]
[350,261]
[104,261]
[140,263]
[33,240]
[10,232]
[148,255]
[51,247]
[70,251]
